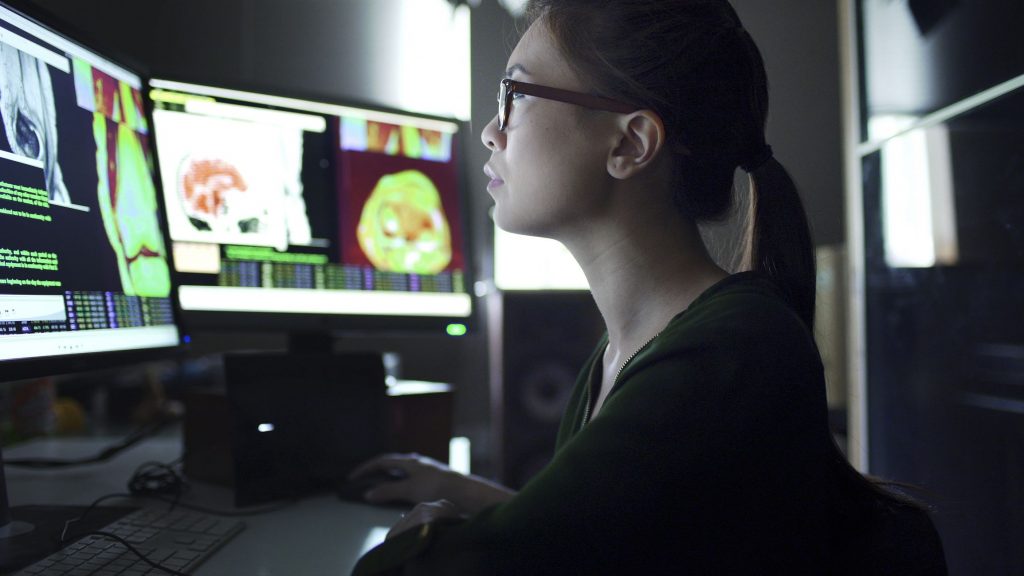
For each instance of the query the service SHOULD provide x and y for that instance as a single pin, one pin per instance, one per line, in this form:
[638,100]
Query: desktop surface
[318,535]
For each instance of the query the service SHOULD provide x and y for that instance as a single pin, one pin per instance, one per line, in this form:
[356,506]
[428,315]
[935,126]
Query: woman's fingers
[384,463]
[385,492]
[404,478]
[424,513]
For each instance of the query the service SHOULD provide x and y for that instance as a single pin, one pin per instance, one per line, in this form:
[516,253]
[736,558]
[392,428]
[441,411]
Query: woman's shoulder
[739,334]
[742,307]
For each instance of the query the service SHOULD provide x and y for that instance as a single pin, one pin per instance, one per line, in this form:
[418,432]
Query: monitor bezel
[339,325]
[42,366]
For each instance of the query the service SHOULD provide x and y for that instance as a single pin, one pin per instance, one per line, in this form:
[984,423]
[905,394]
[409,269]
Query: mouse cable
[157,481]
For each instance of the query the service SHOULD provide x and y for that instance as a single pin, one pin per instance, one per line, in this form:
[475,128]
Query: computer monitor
[310,216]
[85,275]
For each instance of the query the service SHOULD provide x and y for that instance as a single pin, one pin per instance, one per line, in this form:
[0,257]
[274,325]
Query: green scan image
[403,227]
[127,199]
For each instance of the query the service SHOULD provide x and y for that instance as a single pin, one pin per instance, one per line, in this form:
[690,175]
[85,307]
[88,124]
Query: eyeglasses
[507,87]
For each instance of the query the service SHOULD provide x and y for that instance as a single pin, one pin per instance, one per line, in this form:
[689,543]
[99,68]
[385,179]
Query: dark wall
[338,48]
[800,44]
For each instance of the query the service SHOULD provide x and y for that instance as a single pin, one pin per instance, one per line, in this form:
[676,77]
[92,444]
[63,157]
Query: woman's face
[548,168]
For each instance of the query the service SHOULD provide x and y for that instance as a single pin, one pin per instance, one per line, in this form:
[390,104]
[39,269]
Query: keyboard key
[160,554]
[121,563]
[219,529]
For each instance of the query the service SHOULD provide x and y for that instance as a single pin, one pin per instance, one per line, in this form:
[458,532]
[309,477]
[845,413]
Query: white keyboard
[180,540]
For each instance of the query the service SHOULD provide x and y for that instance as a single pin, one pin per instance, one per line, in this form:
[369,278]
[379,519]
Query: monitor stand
[310,343]
[321,343]
[9,526]
[30,533]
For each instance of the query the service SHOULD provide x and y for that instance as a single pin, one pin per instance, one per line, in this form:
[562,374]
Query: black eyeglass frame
[507,87]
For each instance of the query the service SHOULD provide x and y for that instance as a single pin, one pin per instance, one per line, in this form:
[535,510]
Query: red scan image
[107,95]
[204,183]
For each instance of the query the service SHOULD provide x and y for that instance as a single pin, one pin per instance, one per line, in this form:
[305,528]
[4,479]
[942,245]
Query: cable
[153,480]
[136,551]
[233,513]
[67,524]
[106,454]
[157,478]
[64,540]
[64,533]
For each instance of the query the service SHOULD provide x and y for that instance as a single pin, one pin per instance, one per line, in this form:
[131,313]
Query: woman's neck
[644,274]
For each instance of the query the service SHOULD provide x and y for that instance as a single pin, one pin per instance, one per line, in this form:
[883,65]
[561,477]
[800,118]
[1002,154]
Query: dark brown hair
[693,63]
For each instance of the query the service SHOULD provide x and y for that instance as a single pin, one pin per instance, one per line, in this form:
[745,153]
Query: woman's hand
[409,478]
[413,478]
[425,513]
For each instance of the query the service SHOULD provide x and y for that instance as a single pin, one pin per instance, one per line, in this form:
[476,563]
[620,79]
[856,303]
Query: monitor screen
[310,212]
[84,265]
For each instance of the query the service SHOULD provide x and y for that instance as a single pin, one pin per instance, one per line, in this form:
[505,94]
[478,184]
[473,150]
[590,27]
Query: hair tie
[759,159]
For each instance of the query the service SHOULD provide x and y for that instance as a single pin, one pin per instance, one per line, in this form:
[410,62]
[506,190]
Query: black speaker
[546,336]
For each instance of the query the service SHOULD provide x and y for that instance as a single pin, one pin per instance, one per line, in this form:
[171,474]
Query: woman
[696,440]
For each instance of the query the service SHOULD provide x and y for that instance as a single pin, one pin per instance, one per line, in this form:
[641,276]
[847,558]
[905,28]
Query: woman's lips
[495,181]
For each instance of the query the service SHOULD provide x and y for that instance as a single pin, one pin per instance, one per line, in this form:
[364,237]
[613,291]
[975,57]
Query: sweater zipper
[615,381]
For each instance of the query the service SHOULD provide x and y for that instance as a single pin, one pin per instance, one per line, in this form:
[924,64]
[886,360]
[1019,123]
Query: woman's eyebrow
[515,68]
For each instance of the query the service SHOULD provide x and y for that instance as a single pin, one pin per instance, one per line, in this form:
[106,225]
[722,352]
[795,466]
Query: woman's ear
[641,137]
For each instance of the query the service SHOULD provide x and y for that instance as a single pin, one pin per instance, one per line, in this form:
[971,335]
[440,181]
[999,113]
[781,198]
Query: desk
[320,535]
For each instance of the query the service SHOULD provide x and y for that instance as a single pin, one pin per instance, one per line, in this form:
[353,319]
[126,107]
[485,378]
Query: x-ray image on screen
[29,115]
[235,182]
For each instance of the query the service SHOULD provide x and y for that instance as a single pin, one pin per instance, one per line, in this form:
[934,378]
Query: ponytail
[779,238]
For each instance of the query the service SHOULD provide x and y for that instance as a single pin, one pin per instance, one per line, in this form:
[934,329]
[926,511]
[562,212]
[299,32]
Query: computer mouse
[353,490]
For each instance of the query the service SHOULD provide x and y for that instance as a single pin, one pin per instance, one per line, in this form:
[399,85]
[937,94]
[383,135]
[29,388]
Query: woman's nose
[491,137]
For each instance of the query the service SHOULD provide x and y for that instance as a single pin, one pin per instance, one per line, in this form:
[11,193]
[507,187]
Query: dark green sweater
[711,455]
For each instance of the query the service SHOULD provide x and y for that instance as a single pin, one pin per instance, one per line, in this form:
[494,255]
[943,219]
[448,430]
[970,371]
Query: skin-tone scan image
[127,199]
[403,227]
[210,187]
[29,115]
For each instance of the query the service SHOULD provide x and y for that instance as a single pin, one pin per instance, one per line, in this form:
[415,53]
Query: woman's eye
[517,96]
